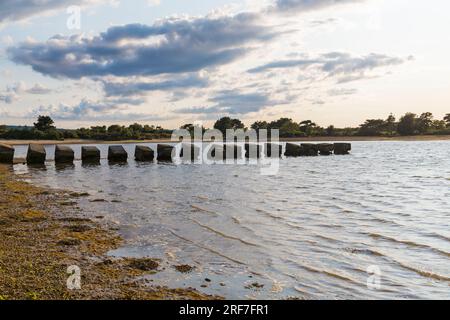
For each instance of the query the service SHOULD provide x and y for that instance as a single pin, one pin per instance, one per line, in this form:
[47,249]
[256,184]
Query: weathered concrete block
[309,150]
[166,153]
[90,154]
[293,150]
[64,154]
[342,148]
[252,150]
[326,149]
[274,150]
[143,153]
[117,154]
[195,152]
[6,153]
[36,154]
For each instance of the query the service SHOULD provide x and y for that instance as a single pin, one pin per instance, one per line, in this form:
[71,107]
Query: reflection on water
[312,231]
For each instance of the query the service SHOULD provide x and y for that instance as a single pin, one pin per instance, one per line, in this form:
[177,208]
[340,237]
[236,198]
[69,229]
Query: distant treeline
[408,125]
[44,129]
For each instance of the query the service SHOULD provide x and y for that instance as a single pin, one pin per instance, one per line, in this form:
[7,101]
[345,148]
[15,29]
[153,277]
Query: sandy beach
[42,233]
[308,139]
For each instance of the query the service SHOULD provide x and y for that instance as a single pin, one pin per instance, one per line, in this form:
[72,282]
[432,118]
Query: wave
[423,273]
[268,214]
[206,248]
[368,252]
[329,273]
[200,209]
[223,234]
[441,236]
[408,243]
[326,238]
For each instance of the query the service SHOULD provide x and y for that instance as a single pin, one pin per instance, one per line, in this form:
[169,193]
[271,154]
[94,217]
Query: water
[312,231]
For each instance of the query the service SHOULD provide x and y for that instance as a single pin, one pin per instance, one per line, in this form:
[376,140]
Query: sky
[172,62]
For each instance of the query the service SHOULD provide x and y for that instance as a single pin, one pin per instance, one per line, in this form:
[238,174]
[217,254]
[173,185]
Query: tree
[191,128]
[287,127]
[408,124]
[391,125]
[372,127]
[330,131]
[44,123]
[307,127]
[260,125]
[115,128]
[438,125]
[136,127]
[425,122]
[447,120]
[227,123]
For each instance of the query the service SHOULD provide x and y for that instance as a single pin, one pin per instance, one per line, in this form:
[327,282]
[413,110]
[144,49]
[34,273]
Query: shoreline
[307,139]
[43,232]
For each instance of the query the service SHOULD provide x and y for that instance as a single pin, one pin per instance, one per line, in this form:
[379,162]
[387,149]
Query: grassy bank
[42,233]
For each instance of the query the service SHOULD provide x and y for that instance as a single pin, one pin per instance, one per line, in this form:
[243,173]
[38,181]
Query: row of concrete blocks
[165,153]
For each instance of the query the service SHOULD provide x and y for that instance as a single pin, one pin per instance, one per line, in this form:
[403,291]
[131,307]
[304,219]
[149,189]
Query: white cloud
[19,10]
[153,3]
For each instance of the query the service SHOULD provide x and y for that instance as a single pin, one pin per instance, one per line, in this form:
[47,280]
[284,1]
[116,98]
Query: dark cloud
[235,103]
[14,10]
[284,64]
[167,47]
[344,66]
[131,88]
[336,63]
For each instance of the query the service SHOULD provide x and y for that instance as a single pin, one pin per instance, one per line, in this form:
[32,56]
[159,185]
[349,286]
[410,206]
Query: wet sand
[307,139]
[42,233]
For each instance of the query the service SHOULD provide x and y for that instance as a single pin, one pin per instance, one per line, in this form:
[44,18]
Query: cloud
[85,108]
[174,45]
[341,92]
[134,59]
[153,3]
[16,10]
[285,64]
[14,91]
[296,6]
[344,66]
[319,23]
[132,88]
[336,63]
[38,89]
[88,110]
[236,102]
[7,97]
